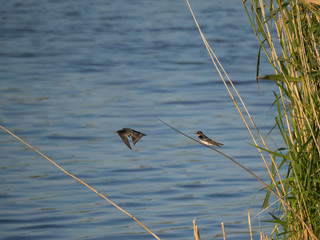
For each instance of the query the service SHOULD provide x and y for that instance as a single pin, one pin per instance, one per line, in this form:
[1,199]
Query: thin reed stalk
[223,231]
[196,230]
[249,222]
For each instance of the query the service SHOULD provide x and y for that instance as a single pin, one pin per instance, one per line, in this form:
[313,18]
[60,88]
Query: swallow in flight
[125,133]
[203,138]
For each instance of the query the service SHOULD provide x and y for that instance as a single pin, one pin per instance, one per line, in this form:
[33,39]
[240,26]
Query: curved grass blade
[79,180]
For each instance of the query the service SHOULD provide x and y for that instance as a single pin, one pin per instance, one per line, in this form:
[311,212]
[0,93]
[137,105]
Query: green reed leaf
[280,78]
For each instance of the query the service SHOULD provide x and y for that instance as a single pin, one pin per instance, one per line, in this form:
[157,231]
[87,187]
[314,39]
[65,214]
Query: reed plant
[289,36]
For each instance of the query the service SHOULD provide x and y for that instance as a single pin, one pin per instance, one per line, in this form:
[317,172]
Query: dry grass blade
[196,230]
[223,154]
[263,236]
[223,231]
[79,180]
[249,222]
[313,1]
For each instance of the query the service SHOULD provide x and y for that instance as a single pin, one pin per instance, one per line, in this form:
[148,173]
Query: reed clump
[288,32]
[289,36]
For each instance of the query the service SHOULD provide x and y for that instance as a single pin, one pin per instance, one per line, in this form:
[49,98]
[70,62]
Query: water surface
[74,72]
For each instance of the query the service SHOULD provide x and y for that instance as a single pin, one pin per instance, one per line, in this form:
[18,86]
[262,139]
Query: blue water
[74,72]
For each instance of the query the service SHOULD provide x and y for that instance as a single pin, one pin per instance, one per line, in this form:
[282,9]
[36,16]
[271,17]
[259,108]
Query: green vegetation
[289,35]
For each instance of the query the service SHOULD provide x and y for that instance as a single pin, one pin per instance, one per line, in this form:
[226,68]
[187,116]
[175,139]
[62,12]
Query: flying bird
[125,133]
[203,138]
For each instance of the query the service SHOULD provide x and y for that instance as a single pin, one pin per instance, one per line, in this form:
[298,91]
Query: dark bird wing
[125,140]
[214,142]
[136,136]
